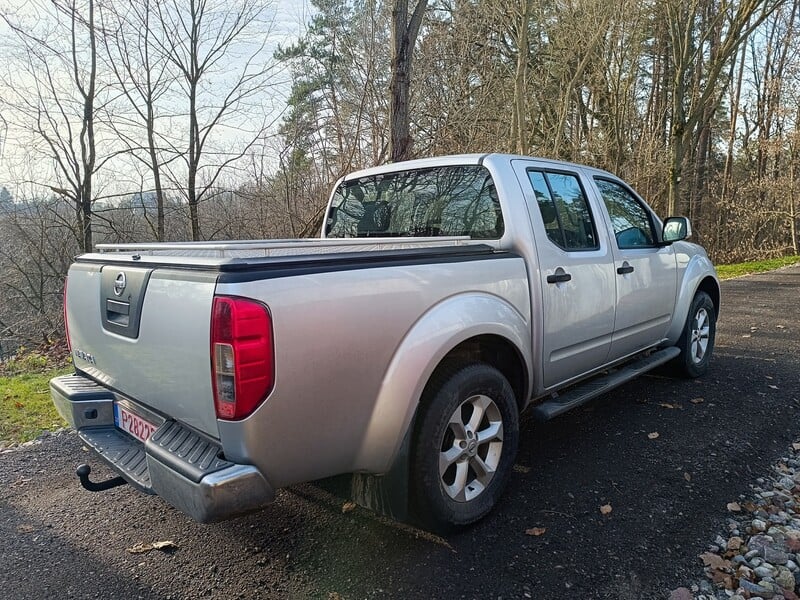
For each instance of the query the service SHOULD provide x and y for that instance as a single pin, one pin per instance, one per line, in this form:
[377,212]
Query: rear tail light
[66,323]
[242,361]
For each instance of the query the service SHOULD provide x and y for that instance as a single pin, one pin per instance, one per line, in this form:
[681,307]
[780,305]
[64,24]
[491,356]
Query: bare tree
[725,28]
[219,43]
[56,101]
[133,41]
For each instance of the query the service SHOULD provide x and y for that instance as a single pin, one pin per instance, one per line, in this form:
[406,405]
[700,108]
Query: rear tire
[464,446]
[697,340]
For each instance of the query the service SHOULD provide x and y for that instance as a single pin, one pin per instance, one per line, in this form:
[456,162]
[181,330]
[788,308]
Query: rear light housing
[242,356]
[66,323]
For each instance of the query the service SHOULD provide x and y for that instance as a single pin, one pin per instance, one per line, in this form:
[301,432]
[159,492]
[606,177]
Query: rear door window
[565,211]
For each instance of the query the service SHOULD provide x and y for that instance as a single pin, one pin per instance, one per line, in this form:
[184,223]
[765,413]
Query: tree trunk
[519,134]
[87,140]
[737,94]
[404,38]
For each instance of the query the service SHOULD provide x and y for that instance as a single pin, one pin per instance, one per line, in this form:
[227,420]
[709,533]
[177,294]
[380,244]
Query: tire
[697,340]
[464,446]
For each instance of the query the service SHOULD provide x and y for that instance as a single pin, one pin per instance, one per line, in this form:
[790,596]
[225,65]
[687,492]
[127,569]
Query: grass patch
[26,409]
[759,266]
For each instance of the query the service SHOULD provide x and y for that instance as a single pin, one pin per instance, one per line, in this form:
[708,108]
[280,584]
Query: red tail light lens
[242,361]
[66,324]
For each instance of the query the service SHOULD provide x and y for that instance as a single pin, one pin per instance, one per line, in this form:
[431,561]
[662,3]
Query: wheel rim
[701,330]
[471,447]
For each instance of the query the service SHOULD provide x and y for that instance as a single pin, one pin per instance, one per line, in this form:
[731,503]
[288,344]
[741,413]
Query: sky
[16,161]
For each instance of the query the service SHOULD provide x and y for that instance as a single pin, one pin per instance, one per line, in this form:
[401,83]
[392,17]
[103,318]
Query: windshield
[443,201]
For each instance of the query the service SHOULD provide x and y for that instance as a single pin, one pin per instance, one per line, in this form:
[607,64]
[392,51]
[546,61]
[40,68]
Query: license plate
[133,423]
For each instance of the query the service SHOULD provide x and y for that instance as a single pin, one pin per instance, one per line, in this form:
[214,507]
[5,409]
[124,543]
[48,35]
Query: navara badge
[119,284]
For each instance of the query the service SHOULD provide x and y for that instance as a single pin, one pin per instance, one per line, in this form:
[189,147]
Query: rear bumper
[182,466]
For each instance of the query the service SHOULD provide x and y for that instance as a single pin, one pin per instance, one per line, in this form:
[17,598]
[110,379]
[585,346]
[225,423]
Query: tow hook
[83,474]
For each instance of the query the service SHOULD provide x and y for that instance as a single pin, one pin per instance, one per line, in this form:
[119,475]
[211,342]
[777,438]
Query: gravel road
[668,497]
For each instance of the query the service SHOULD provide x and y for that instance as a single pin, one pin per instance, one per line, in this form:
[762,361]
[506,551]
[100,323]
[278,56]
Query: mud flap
[386,494]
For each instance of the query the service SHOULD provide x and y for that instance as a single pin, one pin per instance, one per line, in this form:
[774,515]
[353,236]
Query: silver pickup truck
[443,297]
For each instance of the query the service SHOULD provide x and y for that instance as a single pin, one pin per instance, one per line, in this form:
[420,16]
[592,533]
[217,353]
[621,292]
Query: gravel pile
[759,554]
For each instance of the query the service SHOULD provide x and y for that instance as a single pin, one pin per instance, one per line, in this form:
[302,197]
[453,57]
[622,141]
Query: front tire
[464,446]
[697,340]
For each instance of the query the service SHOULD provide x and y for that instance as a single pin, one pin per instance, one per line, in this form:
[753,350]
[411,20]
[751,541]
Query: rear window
[443,201]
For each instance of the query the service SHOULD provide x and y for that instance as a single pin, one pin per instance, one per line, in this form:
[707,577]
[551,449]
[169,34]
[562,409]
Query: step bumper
[185,468]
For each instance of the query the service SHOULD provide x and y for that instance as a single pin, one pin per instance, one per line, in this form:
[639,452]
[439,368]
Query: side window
[632,224]
[564,210]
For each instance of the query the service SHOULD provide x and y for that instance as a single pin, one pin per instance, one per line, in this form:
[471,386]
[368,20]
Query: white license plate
[133,424]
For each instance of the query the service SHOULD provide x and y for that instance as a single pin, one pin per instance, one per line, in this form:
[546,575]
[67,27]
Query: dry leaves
[696,400]
[668,405]
[521,469]
[142,548]
[537,531]
[653,435]
[715,561]
[735,543]
[25,529]
[605,509]
[687,477]
[720,569]
[796,445]
[734,507]
[348,506]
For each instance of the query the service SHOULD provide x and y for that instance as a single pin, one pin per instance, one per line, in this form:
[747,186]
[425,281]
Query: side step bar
[583,392]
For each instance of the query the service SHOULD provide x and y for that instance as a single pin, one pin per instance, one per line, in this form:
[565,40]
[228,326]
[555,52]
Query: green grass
[26,409]
[760,266]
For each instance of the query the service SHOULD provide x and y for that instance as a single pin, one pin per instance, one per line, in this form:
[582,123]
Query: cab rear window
[442,201]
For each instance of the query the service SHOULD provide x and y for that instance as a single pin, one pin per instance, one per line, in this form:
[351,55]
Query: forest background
[146,120]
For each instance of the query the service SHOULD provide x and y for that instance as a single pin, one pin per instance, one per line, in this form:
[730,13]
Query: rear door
[645,273]
[575,267]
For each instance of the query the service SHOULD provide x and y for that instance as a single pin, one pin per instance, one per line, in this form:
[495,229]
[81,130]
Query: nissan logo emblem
[119,284]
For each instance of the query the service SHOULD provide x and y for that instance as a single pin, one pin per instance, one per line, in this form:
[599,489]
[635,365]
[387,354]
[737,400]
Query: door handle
[625,269]
[559,277]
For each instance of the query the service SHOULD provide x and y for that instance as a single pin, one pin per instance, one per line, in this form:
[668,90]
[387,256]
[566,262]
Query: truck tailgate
[144,332]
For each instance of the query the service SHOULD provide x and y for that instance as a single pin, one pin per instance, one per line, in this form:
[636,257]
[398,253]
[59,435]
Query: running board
[583,392]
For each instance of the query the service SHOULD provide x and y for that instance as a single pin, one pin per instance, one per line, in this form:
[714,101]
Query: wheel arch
[699,275]
[710,286]
[493,350]
[473,326]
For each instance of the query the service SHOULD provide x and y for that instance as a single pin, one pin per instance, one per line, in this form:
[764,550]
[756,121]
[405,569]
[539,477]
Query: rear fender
[432,337]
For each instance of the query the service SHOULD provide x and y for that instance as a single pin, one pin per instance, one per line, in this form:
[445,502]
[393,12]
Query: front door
[645,272]
[576,270]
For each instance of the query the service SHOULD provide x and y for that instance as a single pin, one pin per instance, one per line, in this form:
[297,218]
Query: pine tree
[6,200]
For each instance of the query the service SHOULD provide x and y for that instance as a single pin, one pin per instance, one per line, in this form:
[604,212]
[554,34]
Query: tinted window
[564,209]
[459,200]
[632,225]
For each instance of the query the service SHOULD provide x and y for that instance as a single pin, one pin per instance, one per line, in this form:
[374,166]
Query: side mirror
[676,229]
